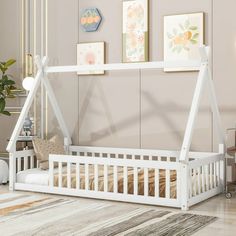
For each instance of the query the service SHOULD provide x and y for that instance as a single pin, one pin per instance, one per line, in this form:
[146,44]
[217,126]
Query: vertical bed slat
[190,183]
[199,180]
[203,179]
[125,180]
[86,176]
[25,163]
[51,173]
[218,173]
[194,180]
[167,194]
[146,182]
[77,176]
[60,174]
[68,175]
[115,179]
[105,178]
[157,183]
[96,177]
[207,177]
[18,164]
[215,184]
[178,186]
[31,162]
[135,181]
[211,184]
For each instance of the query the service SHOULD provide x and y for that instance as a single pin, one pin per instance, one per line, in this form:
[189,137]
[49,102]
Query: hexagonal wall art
[90,19]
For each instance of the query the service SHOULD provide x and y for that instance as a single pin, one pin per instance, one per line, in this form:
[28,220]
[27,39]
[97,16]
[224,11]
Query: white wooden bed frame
[200,175]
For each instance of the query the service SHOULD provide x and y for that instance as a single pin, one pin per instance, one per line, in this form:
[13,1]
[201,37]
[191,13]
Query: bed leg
[222,167]
[184,207]
[184,187]
[12,172]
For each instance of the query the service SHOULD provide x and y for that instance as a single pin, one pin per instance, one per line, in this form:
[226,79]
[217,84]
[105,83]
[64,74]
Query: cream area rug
[25,214]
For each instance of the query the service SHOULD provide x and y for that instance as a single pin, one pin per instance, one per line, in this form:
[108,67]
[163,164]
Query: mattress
[35,176]
[41,177]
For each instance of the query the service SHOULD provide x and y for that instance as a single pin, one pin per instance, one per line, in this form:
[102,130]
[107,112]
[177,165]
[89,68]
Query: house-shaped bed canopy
[204,80]
[190,167]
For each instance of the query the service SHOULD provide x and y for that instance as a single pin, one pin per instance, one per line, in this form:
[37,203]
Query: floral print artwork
[91,54]
[183,35]
[134,46]
[135,30]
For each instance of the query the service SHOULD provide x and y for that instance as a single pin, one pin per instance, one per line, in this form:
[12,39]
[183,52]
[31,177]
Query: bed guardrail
[145,181]
[206,177]
[25,160]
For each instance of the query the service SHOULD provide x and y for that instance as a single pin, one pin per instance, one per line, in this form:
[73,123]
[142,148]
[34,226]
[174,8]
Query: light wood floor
[218,206]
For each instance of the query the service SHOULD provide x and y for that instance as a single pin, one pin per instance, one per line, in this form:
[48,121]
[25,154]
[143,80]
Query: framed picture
[90,19]
[135,30]
[91,54]
[183,35]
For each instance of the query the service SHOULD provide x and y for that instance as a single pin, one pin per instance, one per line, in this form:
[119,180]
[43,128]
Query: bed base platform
[195,181]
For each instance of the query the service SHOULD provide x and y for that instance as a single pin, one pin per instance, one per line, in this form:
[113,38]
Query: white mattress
[36,176]
[33,176]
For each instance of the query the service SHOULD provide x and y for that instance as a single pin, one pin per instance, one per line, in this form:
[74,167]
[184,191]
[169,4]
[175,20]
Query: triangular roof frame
[204,80]
[41,76]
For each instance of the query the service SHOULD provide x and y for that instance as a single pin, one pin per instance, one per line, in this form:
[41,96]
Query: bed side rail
[119,177]
[137,154]
[206,177]
[124,153]
[25,159]
[18,161]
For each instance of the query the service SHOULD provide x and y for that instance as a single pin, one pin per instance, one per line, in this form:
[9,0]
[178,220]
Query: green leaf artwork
[193,28]
[195,36]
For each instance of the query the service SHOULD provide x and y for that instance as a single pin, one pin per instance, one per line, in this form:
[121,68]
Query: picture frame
[90,19]
[135,34]
[183,35]
[92,53]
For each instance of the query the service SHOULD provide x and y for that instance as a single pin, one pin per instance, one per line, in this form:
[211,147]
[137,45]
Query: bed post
[217,124]
[215,107]
[204,79]
[194,108]
[12,169]
[184,186]
[222,168]
[184,157]
[66,145]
